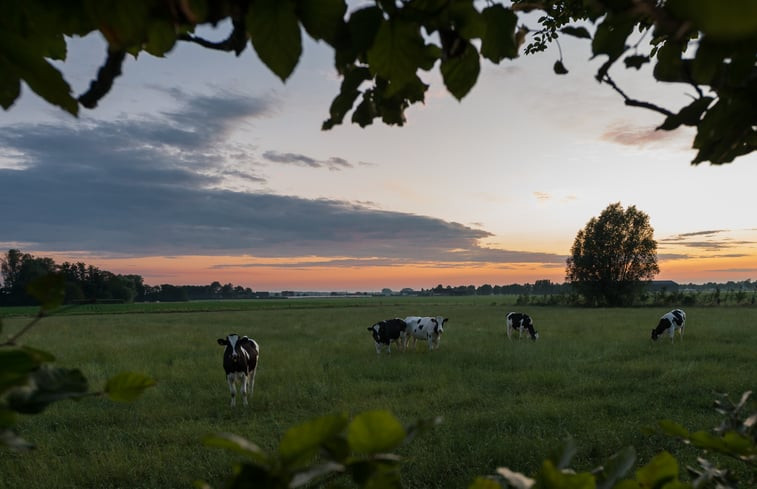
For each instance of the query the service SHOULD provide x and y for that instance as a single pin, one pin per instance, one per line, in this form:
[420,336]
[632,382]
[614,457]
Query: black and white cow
[425,328]
[240,361]
[388,331]
[518,321]
[670,322]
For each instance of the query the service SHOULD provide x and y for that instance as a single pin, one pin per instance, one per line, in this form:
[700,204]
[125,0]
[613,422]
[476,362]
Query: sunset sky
[202,166]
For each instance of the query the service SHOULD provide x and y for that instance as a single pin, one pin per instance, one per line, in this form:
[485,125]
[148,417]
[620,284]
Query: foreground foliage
[29,382]
[320,450]
[380,49]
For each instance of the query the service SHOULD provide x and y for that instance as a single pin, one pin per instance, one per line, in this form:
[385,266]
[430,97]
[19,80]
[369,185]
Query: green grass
[593,375]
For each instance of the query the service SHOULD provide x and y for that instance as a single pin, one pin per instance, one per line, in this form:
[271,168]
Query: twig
[633,102]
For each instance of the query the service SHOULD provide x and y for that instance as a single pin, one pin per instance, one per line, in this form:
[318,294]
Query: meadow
[593,375]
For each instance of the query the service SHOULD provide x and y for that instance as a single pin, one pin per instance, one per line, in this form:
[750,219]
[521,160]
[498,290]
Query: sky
[202,166]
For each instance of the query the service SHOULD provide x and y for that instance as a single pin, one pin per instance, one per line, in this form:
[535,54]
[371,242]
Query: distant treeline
[86,284]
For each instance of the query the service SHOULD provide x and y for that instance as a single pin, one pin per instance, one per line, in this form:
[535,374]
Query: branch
[12,340]
[236,41]
[100,86]
[632,102]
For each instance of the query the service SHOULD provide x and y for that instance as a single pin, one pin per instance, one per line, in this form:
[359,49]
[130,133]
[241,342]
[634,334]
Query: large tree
[707,45]
[613,257]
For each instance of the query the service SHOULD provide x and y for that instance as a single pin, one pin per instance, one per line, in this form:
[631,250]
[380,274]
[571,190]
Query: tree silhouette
[613,256]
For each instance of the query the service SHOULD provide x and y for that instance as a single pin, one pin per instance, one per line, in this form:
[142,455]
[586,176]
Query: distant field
[593,375]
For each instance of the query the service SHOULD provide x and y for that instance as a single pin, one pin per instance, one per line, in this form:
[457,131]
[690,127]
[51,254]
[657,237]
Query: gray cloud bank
[153,186]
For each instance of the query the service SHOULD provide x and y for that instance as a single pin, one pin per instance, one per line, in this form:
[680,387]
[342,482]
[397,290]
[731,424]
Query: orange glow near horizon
[276,274]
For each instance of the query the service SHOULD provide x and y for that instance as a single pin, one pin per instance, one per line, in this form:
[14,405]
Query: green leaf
[15,368]
[610,37]
[689,115]
[559,68]
[314,472]
[636,61]
[301,443]
[348,93]
[671,428]
[398,52]
[484,483]
[127,386]
[467,20]
[48,384]
[461,73]
[616,468]
[322,19]
[669,64]
[563,453]
[365,112]
[363,26]
[237,444]
[732,20]
[49,290]
[661,469]
[551,477]
[579,32]
[24,62]
[375,432]
[708,60]
[498,42]
[275,35]
[161,38]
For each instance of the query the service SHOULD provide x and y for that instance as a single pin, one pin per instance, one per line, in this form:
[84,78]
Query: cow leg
[252,381]
[509,332]
[232,388]
[245,381]
[378,348]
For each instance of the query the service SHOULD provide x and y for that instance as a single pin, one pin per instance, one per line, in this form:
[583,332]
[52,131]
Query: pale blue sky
[206,154]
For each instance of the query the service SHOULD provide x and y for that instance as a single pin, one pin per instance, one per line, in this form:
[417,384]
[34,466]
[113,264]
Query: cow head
[655,335]
[233,344]
[439,324]
[375,332]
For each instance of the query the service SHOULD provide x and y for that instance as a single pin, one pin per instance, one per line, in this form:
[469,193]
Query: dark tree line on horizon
[86,284]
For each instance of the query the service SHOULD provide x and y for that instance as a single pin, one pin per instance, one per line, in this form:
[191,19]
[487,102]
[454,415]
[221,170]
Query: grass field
[593,375]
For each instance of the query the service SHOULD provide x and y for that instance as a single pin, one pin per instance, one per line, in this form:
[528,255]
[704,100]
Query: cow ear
[222,342]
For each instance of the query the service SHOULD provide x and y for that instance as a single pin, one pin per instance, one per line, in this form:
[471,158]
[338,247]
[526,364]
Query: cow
[388,331]
[240,361]
[670,322]
[520,322]
[425,328]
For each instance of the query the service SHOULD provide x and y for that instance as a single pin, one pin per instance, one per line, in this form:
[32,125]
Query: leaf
[161,38]
[551,477]
[49,290]
[127,386]
[275,35]
[375,432]
[242,446]
[461,73]
[616,468]
[636,61]
[322,19]
[10,86]
[15,368]
[301,443]
[363,26]
[48,384]
[689,115]
[24,62]
[516,479]
[732,20]
[499,42]
[559,68]
[669,64]
[660,470]
[484,483]
[672,428]
[315,471]
[579,32]
[562,454]
[610,37]
[398,52]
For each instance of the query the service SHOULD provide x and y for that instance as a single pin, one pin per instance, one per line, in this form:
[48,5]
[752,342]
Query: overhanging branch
[100,86]
[633,102]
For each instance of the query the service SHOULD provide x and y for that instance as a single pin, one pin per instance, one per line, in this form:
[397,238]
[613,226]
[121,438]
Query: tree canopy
[613,256]
[380,49]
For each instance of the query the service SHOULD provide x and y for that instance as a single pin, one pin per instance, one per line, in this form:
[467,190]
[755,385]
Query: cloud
[333,163]
[629,135]
[158,186]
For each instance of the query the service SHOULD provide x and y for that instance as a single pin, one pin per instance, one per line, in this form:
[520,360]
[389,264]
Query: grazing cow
[240,359]
[425,328]
[520,322]
[388,331]
[671,321]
